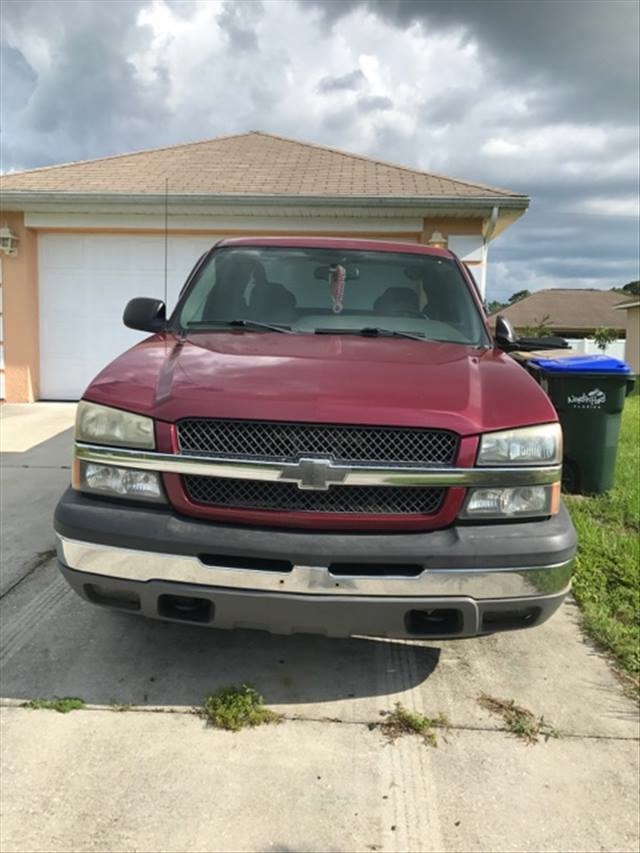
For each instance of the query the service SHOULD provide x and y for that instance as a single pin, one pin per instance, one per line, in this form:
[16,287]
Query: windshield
[332,291]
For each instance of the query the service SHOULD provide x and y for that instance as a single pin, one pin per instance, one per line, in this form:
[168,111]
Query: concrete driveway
[155,778]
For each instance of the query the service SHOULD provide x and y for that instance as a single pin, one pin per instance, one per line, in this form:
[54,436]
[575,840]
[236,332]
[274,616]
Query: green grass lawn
[607,574]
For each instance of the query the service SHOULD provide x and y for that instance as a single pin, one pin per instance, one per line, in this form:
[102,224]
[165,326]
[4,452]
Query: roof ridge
[565,290]
[388,163]
[129,153]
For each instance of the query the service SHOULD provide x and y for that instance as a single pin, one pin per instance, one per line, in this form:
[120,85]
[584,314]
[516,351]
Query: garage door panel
[85,283]
[65,376]
[112,253]
[64,292]
[62,251]
[150,256]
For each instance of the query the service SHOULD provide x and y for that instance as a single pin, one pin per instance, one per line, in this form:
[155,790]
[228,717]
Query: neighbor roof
[567,309]
[248,164]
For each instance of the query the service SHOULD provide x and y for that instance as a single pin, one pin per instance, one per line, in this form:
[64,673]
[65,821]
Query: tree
[494,306]
[520,294]
[539,329]
[632,288]
[603,337]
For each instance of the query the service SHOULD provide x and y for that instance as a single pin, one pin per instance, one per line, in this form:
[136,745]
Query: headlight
[535,445]
[513,502]
[119,482]
[103,425]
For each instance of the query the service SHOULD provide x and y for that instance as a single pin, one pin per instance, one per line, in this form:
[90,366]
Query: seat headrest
[397,300]
[272,302]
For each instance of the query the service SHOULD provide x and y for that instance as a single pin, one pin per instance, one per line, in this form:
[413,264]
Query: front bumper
[462,581]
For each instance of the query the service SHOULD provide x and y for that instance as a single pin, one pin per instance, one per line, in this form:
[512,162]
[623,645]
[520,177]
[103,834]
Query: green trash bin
[588,393]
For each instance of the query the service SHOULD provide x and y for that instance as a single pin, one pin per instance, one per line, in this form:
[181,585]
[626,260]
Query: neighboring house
[632,342]
[569,312]
[90,235]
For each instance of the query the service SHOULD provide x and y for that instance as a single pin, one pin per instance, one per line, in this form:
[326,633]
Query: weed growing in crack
[121,706]
[401,721]
[62,706]
[235,708]
[519,721]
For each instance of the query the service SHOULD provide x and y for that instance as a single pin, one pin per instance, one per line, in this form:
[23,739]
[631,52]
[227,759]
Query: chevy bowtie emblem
[316,474]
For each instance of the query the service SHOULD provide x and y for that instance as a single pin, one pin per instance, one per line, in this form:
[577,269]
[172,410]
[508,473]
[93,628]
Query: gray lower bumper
[427,617]
[457,582]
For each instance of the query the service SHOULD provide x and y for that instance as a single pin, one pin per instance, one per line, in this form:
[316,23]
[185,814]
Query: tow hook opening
[185,608]
[434,622]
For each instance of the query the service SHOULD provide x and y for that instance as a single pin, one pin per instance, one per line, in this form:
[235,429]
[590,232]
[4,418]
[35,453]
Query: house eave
[442,205]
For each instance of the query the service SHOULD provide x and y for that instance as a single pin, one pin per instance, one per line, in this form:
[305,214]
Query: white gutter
[18,200]
[486,237]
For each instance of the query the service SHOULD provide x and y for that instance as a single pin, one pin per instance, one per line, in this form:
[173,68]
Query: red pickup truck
[322,437]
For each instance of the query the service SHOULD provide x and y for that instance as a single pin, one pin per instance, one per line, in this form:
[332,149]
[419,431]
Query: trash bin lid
[583,364]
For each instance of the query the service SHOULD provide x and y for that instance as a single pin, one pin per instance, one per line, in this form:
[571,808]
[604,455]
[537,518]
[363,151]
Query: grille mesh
[290,441]
[261,494]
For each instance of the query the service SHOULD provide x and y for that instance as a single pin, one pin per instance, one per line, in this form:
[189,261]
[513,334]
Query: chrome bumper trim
[331,475]
[312,580]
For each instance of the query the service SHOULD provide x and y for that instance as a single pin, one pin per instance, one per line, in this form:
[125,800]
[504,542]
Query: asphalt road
[155,778]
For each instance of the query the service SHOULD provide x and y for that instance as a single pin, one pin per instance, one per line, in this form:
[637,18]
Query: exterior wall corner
[20,314]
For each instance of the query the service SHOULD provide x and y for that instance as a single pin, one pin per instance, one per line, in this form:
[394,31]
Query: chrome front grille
[287,497]
[291,441]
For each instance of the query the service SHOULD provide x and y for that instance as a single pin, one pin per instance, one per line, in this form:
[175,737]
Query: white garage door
[85,282]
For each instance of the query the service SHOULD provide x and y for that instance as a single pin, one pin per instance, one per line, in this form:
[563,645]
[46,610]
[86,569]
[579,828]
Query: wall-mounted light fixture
[438,240]
[8,242]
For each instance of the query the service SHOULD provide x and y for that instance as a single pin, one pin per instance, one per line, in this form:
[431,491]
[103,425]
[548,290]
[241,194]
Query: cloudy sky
[539,96]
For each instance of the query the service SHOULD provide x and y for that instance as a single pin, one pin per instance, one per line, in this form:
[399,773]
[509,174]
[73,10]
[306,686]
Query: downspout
[486,237]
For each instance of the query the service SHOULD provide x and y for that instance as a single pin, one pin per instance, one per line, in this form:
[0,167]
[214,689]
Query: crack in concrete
[41,559]
[39,467]
[295,718]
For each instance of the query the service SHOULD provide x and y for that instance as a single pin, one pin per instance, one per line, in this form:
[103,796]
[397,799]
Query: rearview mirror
[145,315]
[352,272]
[506,337]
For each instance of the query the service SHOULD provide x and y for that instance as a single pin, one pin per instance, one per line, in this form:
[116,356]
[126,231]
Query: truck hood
[322,379]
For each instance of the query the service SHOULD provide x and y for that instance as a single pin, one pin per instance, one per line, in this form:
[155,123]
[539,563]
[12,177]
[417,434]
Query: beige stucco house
[79,240]
[569,312]
[632,336]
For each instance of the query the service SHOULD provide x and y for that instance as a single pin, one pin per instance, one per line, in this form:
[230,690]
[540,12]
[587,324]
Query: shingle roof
[248,164]
[566,308]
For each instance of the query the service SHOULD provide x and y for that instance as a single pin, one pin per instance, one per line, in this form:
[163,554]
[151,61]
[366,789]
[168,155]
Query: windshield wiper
[373,332]
[239,324]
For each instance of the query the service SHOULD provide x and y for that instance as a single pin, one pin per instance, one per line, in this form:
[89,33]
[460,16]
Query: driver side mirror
[506,337]
[145,315]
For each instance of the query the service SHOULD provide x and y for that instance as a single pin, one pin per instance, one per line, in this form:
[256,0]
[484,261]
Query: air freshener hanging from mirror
[337,276]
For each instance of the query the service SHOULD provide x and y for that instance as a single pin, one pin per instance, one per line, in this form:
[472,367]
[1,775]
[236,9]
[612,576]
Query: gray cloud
[449,106]
[554,249]
[538,97]
[347,82]
[373,103]
[90,93]
[236,20]
[23,81]
[585,52]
